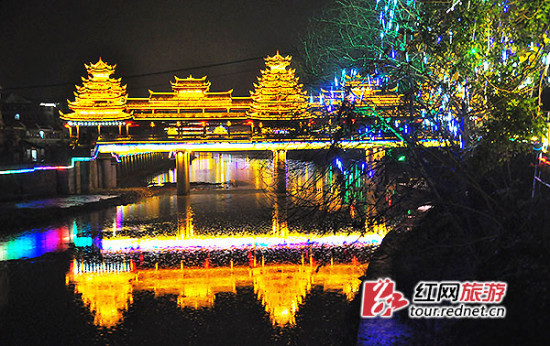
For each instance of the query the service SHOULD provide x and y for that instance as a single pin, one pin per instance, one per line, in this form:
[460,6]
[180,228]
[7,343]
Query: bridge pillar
[108,173]
[279,170]
[182,172]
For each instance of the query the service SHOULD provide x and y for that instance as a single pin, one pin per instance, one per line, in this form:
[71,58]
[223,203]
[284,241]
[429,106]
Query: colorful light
[293,240]
[50,168]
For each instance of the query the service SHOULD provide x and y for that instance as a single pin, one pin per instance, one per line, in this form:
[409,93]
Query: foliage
[485,64]
[483,61]
[344,35]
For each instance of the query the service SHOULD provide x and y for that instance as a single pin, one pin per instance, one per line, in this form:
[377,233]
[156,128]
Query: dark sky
[47,42]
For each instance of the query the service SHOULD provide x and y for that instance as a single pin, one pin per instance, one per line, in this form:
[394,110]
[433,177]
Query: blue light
[339,164]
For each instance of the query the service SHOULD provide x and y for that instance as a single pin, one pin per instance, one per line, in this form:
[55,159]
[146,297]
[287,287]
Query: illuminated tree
[345,35]
[483,64]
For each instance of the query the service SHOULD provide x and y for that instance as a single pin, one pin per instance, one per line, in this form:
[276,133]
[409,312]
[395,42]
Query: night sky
[47,42]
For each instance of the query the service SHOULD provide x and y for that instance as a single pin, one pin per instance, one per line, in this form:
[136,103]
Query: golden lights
[364,92]
[278,95]
[282,288]
[100,98]
[190,99]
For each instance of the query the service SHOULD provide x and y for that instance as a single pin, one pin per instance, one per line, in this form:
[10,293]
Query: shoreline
[16,216]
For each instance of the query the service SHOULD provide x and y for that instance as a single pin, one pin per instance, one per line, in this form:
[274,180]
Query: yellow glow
[185,219]
[100,98]
[106,295]
[190,99]
[280,287]
[125,244]
[364,92]
[137,147]
[278,95]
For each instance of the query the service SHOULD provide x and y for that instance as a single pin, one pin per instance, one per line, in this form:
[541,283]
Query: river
[232,263]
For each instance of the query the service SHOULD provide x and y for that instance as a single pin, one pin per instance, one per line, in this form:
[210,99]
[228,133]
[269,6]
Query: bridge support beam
[107,173]
[279,170]
[182,172]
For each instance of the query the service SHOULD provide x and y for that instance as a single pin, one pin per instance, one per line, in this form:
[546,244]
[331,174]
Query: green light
[402,158]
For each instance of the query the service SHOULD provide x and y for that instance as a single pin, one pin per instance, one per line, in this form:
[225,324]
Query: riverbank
[21,214]
[18,215]
[435,251]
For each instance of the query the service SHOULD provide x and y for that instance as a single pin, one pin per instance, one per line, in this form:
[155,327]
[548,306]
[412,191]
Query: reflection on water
[214,168]
[35,244]
[280,287]
[197,250]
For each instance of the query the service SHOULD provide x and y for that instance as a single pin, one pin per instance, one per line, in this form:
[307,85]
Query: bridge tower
[278,95]
[183,161]
[279,170]
[100,103]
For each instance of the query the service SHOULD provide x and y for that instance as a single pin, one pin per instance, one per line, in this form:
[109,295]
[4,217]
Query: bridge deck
[205,145]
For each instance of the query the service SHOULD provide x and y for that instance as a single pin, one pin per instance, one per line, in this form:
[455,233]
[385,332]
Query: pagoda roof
[103,114]
[278,60]
[100,67]
[190,83]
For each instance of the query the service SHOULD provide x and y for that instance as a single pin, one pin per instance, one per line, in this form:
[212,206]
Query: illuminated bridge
[126,151]
[278,116]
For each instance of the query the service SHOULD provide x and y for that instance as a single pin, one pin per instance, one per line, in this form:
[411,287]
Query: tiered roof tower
[100,98]
[278,95]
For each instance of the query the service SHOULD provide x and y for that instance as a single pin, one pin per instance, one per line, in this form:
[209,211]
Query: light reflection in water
[218,168]
[35,244]
[108,289]
[185,218]
[292,240]
[187,238]
[280,287]
[307,185]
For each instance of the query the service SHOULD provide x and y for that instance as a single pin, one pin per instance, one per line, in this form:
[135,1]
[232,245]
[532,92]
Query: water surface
[231,263]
